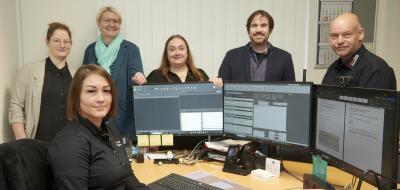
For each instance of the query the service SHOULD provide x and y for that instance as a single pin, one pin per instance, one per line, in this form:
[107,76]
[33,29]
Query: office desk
[149,172]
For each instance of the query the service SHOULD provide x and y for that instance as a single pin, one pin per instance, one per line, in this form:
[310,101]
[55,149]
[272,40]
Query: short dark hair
[75,89]
[57,26]
[263,14]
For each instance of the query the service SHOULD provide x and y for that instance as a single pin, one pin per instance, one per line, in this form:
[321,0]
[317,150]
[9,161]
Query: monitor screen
[273,112]
[179,109]
[356,129]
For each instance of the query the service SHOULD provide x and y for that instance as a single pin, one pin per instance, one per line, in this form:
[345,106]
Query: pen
[355,58]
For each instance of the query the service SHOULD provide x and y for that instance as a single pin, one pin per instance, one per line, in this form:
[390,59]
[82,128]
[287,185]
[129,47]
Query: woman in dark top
[177,64]
[87,153]
[38,99]
[122,60]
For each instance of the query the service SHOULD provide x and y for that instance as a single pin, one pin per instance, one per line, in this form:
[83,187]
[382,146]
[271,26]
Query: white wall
[212,27]
[34,18]
[8,62]
[78,15]
[387,34]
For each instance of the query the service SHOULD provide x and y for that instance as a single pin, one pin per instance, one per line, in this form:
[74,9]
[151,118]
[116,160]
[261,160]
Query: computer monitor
[357,129]
[268,112]
[179,109]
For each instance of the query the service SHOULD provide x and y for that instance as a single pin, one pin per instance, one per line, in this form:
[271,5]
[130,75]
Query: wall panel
[212,27]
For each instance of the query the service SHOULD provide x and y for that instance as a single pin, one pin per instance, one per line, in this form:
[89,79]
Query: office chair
[23,165]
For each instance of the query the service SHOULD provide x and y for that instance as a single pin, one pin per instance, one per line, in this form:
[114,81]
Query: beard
[258,41]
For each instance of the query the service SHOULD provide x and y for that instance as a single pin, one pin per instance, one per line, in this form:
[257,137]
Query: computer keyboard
[178,182]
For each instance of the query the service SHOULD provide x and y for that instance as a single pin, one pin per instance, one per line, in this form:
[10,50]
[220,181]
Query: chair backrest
[24,165]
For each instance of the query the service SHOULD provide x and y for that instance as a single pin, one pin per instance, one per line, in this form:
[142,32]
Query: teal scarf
[106,55]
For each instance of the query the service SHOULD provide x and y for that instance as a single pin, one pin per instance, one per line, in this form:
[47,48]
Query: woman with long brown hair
[177,64]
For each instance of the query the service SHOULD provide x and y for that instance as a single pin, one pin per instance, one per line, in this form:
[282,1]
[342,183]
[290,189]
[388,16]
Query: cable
[291,174]
[353,181]
[376,177]
[188,160]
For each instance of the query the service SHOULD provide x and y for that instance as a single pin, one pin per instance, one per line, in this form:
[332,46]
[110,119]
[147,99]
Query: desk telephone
[242,159]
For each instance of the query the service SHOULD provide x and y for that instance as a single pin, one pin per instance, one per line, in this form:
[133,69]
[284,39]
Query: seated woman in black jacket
[87,153]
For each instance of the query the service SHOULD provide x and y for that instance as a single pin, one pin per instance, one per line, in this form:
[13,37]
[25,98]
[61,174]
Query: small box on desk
[313,182]
[140,158]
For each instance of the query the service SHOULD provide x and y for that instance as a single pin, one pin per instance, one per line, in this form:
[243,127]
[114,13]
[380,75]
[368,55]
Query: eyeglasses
[59,41]
[110,20]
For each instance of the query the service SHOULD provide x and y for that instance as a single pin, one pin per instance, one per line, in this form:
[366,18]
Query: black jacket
[369,71]
[82,156]
[236,65]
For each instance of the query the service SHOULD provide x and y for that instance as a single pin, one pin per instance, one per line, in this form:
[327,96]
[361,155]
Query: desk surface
[149,172]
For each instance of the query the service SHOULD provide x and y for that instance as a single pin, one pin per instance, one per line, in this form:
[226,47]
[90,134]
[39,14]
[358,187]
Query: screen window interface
[278,113]
[351,127]
[180,109]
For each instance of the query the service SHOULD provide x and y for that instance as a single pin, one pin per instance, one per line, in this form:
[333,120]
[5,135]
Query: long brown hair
[164,67]
[74,94]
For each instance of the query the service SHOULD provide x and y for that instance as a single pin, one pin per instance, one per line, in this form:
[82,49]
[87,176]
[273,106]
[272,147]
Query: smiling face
[259,30]
[346,35]
[109,24]
[59,44]
[95,99]
[177,53]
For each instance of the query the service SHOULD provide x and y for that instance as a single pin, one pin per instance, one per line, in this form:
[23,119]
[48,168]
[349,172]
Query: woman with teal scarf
[121,59]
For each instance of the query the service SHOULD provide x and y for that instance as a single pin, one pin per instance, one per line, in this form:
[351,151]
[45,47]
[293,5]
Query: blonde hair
[110,9]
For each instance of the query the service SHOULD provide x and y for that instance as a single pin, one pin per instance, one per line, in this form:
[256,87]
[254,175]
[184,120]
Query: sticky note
[155,140]
[167,140]
[142,140]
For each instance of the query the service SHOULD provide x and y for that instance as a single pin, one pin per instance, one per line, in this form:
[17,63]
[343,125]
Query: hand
[139,78]
[217,82]
[19,130]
